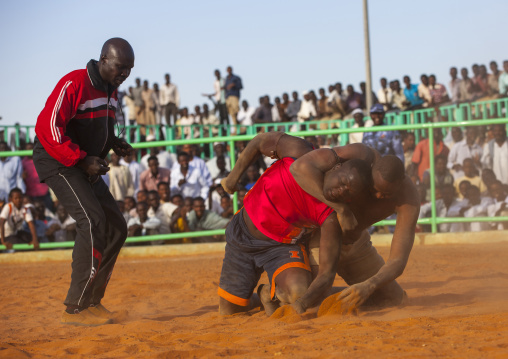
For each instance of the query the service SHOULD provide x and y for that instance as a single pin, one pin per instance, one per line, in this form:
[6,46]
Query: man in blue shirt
[233,86]
[411,93]
[385,142]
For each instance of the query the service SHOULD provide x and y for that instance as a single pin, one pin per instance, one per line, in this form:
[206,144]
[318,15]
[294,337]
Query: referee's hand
[93,165]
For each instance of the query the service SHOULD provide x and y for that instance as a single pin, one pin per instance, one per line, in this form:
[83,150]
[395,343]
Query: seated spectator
[227,207]
[186,121]
[129,208]
[424,91]
[467,148]
[488,178]
[214,198]
[164,212]
[220,150]
[353,100]
[62,228]
[201,219]
[470,175]
[179,221]
[307,109]
[399,100]
[437,91]
[453,136]
[166,158]
[241,195]
[250,178]
[442,177]
[195,161]
[11,173]
[164,192]
[189,180]
[143,225]
[121,207]
[476,206]
[12,217]
[41,215]
[134,168]
[463,186]
[177,200]
[499,207]
[421,156]
[120,179]
[150,178]
[263,113]
[495,154]
[408,145]
[358,116]
[34,188]
[411,93]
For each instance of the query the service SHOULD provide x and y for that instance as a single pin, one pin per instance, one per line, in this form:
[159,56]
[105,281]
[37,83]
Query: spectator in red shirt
[149,179]
[421,157]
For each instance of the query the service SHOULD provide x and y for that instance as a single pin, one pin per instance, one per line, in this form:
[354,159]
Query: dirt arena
[167,308]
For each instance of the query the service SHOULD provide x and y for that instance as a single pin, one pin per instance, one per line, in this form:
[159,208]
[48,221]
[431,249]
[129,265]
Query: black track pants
[101,233]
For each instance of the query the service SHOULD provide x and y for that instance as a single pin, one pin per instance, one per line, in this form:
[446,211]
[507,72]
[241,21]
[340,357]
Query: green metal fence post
[432,180]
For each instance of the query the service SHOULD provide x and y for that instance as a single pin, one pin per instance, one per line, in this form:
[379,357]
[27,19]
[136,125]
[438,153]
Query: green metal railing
[423,127]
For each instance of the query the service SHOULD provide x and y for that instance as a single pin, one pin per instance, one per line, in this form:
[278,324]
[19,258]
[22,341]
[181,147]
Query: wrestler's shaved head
[116,61]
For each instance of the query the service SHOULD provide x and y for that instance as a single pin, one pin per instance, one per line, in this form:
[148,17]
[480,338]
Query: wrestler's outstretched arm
[329,253]
[272,144]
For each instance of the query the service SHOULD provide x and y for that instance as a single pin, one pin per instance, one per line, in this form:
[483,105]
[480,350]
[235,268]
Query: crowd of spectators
[166,192]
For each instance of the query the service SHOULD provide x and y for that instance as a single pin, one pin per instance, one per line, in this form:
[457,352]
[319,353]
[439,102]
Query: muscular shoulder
[408,195]
[357,151]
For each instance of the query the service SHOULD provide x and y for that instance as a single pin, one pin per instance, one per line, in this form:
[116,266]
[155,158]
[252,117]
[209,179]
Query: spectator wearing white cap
[359,122]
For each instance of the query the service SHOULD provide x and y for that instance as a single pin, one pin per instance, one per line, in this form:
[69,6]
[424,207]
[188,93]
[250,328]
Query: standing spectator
[210,121]
[188,180]
[467,148]
[34,188]
[437,91]
[482,82]
[353,100]
[219,98]
[494,79]
[385,142]
[455,85]
[358,116]
[149,107]
[233,86]
[186,121]
[424,92]
[62,228]
[149,179]
[158,108]
[412,94]
[139,105]
[244,117]
[384,94]
[293,108]
[503,80]
[169,100]
[163,212]
[470,175]
[284,106]
[143,225]
[399,100]
[211,164]
[276,117]
[134,168]
[12,217]
[11,173]
[495,155]
[263,113]
[131,107]
[323,110]
[466,86]
[120,179]
[363,88]
[421,156]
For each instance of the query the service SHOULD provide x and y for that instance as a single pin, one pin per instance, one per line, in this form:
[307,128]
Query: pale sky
[274,46]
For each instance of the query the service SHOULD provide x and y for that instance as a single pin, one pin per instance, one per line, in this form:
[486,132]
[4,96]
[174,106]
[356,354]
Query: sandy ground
[167,308]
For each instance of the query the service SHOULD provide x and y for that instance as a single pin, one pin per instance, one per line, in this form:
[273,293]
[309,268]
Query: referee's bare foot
[227,186]
[265,296]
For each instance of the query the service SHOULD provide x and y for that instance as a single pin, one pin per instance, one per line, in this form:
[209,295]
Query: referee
[75,132]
